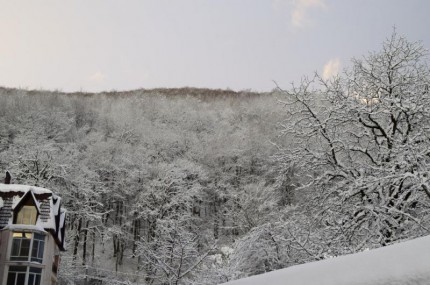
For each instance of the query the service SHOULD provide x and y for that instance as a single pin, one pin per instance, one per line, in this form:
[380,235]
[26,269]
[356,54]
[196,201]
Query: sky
[105,45]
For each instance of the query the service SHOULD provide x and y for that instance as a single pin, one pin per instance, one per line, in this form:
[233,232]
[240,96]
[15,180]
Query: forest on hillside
[197,186]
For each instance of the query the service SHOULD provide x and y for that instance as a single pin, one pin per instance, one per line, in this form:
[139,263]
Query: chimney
[7,178]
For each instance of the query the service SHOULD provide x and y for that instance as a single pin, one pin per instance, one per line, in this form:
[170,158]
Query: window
[34,276]
[16,275]
[24,243]
[27,215]
[20,275]
[20,246]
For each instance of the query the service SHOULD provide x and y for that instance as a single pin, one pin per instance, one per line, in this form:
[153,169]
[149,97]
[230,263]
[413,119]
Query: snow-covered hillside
[406,263]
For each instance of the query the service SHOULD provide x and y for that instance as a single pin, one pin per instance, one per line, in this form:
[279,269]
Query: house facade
[31,235]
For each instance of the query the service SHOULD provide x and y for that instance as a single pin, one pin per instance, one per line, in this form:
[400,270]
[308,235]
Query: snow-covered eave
[5,188]
[20,227]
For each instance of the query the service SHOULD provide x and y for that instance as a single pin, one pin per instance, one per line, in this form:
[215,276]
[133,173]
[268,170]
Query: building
[31,235]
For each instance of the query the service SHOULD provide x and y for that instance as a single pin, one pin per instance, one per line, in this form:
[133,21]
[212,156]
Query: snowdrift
[406,263]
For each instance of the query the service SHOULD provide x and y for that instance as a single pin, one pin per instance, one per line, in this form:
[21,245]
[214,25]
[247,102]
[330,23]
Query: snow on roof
[23,188]
[31,192]
[62,220]
[403,263]
[19,227]
[56,201]
[50,222]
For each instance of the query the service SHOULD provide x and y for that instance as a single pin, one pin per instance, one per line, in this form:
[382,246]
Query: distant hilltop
[182,91]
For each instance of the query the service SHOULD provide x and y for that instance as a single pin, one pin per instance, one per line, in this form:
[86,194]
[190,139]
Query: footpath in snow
[406,263]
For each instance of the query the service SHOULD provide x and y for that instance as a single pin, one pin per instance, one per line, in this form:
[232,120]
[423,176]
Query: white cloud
[300,11]
[97,77]
[331,68]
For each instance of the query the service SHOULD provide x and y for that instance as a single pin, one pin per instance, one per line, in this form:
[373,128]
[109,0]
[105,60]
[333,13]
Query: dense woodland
[196,186]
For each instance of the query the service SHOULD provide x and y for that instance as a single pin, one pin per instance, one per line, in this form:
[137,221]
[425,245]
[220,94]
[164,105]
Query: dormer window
[27,215]
[26,210]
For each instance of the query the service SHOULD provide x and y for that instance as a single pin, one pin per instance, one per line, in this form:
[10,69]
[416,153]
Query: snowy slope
[406,263]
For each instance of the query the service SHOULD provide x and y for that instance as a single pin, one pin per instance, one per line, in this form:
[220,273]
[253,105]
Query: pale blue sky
[95,45]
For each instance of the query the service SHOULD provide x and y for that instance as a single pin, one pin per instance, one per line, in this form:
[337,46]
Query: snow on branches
[362,141]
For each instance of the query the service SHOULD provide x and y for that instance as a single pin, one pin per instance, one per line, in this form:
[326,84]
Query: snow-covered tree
[362,145]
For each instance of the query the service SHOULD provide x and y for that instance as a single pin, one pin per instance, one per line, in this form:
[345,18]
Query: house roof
[28,195]
[23,188]
[51,214]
